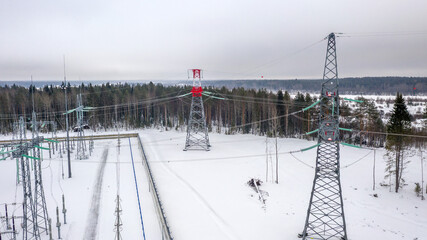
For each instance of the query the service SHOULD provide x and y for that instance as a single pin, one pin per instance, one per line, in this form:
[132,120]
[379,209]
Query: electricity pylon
[35,215]
[197,132]
[34,205]
[81,143]
[19,131]
[325,214]
[40,208]
[29,222]
[118,223]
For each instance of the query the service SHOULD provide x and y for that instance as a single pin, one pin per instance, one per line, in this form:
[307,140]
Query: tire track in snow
[92,220]
[219,221]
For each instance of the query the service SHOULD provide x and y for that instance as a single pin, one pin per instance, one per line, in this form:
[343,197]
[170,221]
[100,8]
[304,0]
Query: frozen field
[90,194]
[205,195]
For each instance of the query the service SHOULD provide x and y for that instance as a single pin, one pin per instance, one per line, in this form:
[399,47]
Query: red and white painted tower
[197,131]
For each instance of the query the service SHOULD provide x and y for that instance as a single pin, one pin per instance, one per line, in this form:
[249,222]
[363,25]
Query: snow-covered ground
[415,104]
[90,194]
[205,195]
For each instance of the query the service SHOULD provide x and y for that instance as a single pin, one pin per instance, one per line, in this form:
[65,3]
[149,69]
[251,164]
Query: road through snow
[92,220]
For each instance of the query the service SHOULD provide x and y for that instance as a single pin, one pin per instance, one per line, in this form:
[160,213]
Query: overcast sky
[229,39]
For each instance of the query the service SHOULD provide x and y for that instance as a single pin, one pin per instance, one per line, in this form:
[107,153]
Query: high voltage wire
[383,34]
[392,134]
[293,113]
[268,100]
[342,167]
[223,158]
[156,99]
[272,62]
[358,160]
[104,114]
[147,100]
[171,99]
[151,101]
[240,140]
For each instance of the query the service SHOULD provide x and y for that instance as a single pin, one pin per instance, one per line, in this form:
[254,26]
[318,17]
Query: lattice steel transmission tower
[81,143]
[19,129]
[118,223]
[29,222]
[35,215]
[34,205]
[40,207]
[197,132]
[325,214]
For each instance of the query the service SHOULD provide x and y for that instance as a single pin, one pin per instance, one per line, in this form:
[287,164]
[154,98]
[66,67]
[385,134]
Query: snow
[79,191]
[205,195]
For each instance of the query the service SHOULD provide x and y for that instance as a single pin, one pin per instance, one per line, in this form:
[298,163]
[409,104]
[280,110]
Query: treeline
[365,85]
[240,110]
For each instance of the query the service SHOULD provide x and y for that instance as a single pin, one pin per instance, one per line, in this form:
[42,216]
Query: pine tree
[368,118]
[397,146]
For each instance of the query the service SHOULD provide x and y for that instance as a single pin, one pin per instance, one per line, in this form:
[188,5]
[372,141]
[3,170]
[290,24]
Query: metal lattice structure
[325,215]
[81,143]
[20,133]
[29,222]
[34,205]
[197,132]
[118,223]
[40,208]
[35,215]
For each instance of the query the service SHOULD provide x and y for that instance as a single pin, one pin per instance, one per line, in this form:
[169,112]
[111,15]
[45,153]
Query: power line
[272,62]
[384,34]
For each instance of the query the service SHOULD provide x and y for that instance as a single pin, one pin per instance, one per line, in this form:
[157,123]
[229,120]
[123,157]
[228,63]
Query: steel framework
[34,205]
[81,143]
[197,132]
[39,198]
[35,215]
[325,214]
[19,130]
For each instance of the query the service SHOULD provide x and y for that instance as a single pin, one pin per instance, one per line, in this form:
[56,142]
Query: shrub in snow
[417,189]
[254,181]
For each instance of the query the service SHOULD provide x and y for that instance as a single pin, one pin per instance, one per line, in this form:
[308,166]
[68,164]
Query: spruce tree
[368,118]
[397,146]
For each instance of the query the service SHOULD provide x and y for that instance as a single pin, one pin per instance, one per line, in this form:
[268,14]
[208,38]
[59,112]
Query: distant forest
[230,111]
[365,85]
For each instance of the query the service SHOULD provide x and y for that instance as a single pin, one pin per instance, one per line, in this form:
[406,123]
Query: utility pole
[66,124]
[277,163]
[325,214]
[266,145]
[422,174]
[118,223]
[373,172]
[197,131]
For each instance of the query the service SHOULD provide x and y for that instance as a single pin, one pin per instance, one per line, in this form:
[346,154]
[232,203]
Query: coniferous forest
[230,111]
